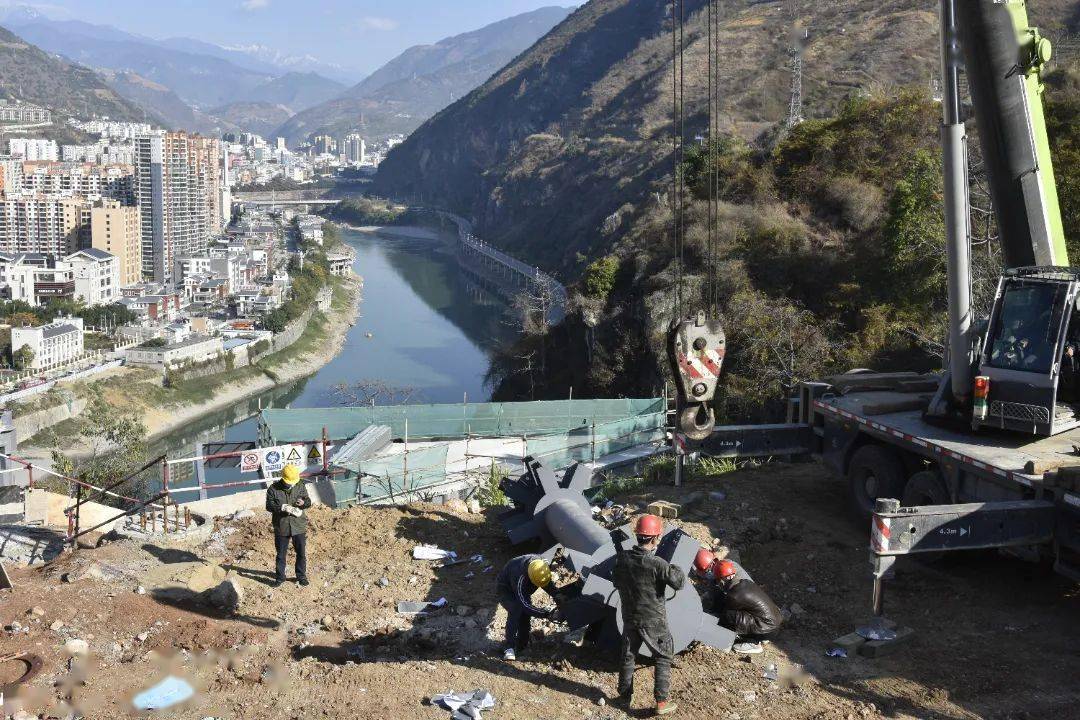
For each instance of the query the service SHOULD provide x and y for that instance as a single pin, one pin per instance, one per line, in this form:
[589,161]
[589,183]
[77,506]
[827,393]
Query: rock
[57,625]
[140,590]
[474,506]
[36,611]
[243,514]
[383,582]
[328,622]
[227,596]
[797,610]
[15,626]
[601,702]
[206,577]
[77,648]
[463,610]
[23,715]
[457,505]
[143,636]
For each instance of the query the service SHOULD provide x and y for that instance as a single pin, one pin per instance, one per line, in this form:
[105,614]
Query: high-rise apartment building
[355,149]
[178,189]
[84,179]
[36,223]
[115,228]
[325,145]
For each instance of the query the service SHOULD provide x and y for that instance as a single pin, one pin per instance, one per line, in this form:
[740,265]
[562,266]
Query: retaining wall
[32,423]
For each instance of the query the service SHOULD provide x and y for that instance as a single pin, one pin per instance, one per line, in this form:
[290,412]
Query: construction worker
[516,583]
[286,501]
[642,579]
[742,606]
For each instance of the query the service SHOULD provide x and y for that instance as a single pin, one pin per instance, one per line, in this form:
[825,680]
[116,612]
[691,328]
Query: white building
[355,149]
[31,149]
[54,344]
[96,274]
[195,348]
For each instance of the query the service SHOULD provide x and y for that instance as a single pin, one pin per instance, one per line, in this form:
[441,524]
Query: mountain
[296,91]
[201,74]
[564,159]
[30,74]
[261,118]
[159,101]
[261,57]
[398,97]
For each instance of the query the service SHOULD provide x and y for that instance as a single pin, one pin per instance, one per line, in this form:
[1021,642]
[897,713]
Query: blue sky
[356,33]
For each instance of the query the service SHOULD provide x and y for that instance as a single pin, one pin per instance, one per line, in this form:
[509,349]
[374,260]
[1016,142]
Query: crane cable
[678,130]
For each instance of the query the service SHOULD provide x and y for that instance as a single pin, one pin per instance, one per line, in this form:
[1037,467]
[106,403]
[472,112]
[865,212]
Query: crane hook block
[696,347]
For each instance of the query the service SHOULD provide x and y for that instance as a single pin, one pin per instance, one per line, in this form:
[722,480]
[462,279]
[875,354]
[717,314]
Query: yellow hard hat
[290,474]
[539,572]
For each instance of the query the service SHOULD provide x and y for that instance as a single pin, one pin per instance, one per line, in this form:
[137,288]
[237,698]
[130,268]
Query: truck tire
[874,471]
[925,488]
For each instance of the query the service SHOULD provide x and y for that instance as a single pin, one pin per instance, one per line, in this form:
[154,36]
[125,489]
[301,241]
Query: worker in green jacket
[287,501]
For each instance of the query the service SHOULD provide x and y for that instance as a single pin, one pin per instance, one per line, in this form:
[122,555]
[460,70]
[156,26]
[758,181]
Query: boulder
[205,578]
[227,596]
[474,506]
[457,505]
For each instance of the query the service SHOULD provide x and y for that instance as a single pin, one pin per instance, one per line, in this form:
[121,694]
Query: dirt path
[996,637]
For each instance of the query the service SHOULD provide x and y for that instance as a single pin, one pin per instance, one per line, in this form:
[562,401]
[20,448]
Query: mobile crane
[985,454]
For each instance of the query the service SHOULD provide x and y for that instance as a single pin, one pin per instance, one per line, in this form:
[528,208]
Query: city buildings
[195,348]
[23,113]
[116,229]
[33,222]
[178,188]
[324,145]
[88,276]
[54,344]
[82,179]
[355,149]
[34,149]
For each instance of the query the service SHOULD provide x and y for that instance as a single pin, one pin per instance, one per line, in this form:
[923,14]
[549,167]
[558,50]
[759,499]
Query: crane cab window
[1027,326]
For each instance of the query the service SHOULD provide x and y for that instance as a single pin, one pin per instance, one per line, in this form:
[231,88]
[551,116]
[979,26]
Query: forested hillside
[827,245]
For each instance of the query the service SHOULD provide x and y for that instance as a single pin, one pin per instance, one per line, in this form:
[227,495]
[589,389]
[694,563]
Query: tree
[22,358]
[600,277]
[115,439]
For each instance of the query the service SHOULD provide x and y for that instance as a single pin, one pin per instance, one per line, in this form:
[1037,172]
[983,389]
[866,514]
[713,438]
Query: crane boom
[1005,58]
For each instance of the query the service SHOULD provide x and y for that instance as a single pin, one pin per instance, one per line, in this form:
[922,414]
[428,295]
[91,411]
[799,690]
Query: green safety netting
[558,432]
[450,421]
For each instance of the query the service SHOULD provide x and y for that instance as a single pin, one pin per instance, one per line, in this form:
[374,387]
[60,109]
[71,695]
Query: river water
[420,327]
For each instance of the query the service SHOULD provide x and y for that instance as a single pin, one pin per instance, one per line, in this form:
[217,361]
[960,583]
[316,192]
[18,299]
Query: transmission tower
[795,108]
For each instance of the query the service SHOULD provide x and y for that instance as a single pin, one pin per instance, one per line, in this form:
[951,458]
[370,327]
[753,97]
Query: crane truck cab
[1021,382]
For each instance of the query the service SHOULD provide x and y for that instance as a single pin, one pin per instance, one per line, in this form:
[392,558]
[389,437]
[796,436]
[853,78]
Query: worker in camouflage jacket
[287,501]
[642,580]
[515,585]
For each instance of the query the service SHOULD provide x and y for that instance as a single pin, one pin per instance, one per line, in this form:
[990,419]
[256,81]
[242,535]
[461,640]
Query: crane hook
[696,346]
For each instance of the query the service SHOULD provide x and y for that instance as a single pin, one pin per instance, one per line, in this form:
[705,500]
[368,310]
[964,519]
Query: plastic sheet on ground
[465,706]
[165,694]
[430,552]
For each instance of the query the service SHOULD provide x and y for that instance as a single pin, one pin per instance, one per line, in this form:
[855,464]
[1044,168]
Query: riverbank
[413,232]
[165,410]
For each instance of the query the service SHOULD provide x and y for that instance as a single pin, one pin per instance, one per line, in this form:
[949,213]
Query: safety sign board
[250,461]
[272,459]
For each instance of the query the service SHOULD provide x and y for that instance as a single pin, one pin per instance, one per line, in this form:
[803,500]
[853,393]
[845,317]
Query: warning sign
[314,456]
[249,461]
[294,456]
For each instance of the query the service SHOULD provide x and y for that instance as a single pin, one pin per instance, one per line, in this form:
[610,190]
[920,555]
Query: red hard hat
[649,526]
[703,561]
[723,569]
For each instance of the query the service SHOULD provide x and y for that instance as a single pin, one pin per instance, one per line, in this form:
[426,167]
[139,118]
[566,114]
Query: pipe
[574,528]
[957,210]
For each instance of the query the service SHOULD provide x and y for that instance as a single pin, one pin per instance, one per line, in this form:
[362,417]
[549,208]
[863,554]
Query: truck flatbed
[1007,456]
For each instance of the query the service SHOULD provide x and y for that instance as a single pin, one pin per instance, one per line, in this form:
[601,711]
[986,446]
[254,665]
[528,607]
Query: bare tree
[374,392]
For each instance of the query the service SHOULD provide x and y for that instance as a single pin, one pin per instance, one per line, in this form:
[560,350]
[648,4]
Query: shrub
[600,277]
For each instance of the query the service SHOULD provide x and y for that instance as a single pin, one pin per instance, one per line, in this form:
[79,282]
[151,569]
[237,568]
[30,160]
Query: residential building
[325,145]
[36,223]
[355,149]
[23,113]
[195,348]
[11,169]
[54,344]
[116,229]
[34,149]
[178,189]
[96,275]
[154,307]
[83,179]
[279,143]
[340,263]
[100,153]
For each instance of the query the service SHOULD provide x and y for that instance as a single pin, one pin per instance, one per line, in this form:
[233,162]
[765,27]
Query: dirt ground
[996,638]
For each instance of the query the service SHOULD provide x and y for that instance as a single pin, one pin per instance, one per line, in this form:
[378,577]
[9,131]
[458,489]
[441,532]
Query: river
[420,327]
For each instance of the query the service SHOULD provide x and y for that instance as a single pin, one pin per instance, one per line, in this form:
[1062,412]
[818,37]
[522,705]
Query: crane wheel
[874,471]
[925,488]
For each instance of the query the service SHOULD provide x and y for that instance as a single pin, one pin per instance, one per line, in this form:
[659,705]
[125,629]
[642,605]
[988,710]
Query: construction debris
[170,691]
[664,509]
[430,552]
